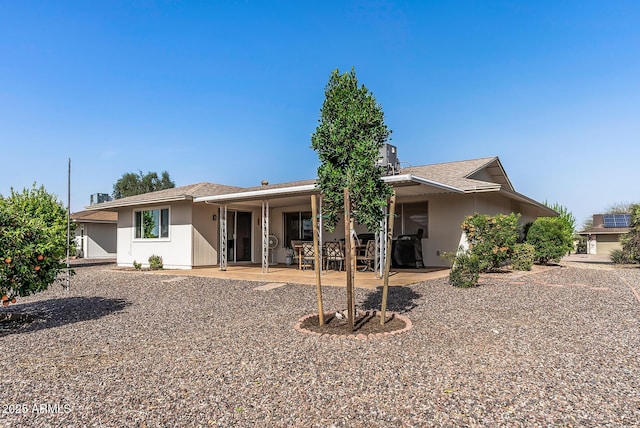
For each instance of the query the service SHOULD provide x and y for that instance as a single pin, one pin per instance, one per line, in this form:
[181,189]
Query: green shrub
[136,265]
[465,271]
[491,238]
[551,239]
[155,262]
[620,257]
[522,257]
[631,240]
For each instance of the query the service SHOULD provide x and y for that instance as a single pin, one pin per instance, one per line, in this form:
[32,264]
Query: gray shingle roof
[168,195]
[460,174]
[469,176]
[94,216]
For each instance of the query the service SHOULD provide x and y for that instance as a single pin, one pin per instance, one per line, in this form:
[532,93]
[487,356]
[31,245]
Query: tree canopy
[348,140]
[33,242]
[620,208]
[631,240]
[131,184]
[565,216]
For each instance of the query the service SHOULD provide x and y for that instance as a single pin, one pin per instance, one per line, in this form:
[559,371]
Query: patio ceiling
[405,185]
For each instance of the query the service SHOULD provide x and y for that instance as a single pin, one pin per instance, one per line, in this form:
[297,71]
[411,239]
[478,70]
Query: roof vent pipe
[264,182]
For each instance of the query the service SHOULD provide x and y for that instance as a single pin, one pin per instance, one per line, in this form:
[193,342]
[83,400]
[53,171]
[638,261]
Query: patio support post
[387,260]
[223,238]
[320,239]
[381,238]
[265,236]
[347,255]
[317,259]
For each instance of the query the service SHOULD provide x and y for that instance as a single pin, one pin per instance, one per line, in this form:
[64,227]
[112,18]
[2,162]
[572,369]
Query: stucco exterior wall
[205,235]
[446,214]
[176,250]
[99,241]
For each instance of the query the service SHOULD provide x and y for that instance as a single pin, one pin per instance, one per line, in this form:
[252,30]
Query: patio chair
[296,245]
[308,256]
[334,254]
[369,256]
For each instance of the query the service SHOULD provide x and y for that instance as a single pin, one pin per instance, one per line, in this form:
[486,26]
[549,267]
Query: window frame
[401,223]
[302,218]
[139,214]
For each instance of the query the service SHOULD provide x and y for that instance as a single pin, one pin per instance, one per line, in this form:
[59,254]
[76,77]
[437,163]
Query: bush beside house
[551,238]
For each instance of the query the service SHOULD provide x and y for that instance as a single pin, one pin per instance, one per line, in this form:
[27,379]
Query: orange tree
[33,242]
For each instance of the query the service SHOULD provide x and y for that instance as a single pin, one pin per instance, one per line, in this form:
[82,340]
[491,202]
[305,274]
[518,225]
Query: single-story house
[96,233]
[604,234]
[208,224]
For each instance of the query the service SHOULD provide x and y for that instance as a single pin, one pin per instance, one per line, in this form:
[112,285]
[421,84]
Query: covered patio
[281,274]
[268,204]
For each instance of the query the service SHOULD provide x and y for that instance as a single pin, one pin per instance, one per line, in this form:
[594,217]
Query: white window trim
[159,239]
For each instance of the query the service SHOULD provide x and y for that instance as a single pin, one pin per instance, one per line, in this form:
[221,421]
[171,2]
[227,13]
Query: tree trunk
[347,258]
[318,260]
[387,259]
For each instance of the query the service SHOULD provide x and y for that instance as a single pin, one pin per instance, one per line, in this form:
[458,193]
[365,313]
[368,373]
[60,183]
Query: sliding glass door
[239,236]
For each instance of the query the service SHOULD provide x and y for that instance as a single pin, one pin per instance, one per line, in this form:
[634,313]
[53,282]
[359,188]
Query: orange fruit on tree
[5,298]
[13,300]
[7,260]
[37,267]
[40,257]
[5,303]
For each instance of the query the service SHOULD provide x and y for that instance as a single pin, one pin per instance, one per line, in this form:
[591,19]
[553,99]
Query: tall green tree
[131,184]
[348,140]
[33,242]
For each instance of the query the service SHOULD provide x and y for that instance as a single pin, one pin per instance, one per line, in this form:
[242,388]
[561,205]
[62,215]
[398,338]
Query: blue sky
[230,91]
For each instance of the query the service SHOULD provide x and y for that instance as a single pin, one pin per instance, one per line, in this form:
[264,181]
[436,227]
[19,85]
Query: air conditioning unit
[389,159]
[98,198]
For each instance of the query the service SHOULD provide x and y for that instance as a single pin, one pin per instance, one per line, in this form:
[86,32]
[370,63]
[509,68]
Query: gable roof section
[475,175]
[95,216]
[182,193]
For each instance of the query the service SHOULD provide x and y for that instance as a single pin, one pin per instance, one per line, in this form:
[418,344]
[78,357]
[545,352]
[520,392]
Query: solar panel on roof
[617,220]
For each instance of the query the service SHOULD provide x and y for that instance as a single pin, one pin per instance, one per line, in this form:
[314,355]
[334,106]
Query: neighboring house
[96,233]
[604,235]
[184,225]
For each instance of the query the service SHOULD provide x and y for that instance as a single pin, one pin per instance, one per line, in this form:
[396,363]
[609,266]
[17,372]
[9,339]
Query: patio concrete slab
[292,275]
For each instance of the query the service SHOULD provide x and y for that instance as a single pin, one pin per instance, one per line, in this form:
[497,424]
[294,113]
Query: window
[151,224]
[411,218]
[297,225]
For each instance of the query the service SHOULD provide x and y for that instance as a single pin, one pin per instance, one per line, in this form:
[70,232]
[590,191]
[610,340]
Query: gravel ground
[552,348]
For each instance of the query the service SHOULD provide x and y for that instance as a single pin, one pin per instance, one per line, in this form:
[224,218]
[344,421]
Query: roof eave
[258,194]
[114,205]
[522,198]
[410,178]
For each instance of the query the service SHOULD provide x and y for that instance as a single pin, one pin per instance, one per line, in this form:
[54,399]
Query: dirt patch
[366,324]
